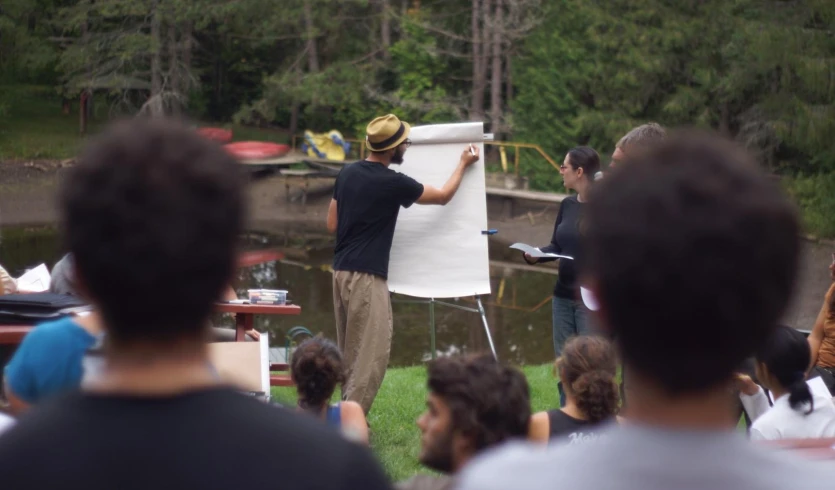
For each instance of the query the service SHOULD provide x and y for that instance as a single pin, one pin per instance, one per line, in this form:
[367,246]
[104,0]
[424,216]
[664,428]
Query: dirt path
[28,196]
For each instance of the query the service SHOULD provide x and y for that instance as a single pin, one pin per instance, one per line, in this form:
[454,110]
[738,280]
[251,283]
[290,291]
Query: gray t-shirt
[642,458]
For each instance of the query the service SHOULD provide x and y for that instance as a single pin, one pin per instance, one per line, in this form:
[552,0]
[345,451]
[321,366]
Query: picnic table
[244,320]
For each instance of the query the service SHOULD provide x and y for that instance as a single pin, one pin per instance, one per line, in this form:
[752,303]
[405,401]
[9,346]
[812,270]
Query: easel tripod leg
[432,327]
[486,327]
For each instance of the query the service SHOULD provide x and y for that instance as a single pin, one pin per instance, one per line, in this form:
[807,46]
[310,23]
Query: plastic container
[267,296]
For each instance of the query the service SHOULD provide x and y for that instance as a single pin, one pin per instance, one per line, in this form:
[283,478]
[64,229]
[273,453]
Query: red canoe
[256,150]
[216,134]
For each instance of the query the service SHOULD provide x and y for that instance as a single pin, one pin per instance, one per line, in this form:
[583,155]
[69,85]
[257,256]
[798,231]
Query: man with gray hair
[637,138]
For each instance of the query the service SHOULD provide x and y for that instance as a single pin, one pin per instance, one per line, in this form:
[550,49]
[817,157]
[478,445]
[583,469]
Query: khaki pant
[362,306]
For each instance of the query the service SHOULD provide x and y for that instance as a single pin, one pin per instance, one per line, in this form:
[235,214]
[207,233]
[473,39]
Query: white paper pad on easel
[816,386]
[440,251]
[35,280]
[537,253]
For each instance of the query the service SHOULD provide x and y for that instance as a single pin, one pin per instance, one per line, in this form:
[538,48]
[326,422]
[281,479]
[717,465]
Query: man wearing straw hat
[366,200]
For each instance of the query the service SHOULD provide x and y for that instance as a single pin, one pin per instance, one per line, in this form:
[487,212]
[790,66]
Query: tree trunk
[156,62]
[496,76]
[294,118]
[725,120]
[508,94]
[188,43]
[385,29]
[85,40]
[312,52]
[477,102]
[175,74]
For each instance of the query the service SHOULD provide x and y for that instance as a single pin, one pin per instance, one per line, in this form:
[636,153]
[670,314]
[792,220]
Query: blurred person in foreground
[152,215]
[474,403]
[692,253]
[587,369]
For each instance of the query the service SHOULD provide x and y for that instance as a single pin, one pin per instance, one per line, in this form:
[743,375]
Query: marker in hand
[472,150]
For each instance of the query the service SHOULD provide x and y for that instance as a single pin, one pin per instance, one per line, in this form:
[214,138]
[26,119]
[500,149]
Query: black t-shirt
[369,196]
[208,439]
[565,428]
[566,241]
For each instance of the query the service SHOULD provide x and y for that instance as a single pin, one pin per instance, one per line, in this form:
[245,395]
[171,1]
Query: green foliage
[758,71]
[581,72]
[815,196]
[34,127]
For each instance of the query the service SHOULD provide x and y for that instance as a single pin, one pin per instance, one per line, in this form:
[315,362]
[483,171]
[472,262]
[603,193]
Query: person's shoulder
[52,332]
[768,424]
[274,425]
[351,409]
[61,326]
[41,425]
[500,468]
[787,469]
[427,482]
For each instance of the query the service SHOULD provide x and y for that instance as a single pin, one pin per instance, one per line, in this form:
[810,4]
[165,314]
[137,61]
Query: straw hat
[385,133]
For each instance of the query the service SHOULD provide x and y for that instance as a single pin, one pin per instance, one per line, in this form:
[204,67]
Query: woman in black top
[587,369]
[570,315]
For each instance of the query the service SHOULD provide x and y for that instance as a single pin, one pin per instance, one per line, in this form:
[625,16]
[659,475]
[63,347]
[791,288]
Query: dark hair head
[587,368]
[152,214]
[691,246]
[316,368]
[786,355]
[642,136]
[585,158]
[490,402]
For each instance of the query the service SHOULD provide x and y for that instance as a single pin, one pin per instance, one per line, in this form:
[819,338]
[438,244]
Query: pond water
[518,311]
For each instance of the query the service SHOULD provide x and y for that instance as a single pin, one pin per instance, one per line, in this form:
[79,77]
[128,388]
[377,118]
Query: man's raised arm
[433,195]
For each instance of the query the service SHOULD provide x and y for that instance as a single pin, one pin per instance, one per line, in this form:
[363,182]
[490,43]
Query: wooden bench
[508,196]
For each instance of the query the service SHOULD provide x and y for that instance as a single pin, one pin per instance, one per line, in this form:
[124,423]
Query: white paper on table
[264,341]
[816,386]
[440,251]
[589,299]
[35,280]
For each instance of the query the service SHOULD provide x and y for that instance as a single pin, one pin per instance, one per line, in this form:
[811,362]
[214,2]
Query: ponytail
[316,368]
[588,368]
[800,394]
[597,395]
[786,355]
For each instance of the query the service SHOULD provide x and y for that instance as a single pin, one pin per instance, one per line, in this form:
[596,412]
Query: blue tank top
[334,415]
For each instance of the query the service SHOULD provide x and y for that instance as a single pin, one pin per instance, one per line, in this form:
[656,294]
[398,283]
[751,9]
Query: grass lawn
[32,125]
[395,438]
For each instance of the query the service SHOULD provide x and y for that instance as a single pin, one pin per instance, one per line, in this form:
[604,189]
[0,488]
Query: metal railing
[359,145]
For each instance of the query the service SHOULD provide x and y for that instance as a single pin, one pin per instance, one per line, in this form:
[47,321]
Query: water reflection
[518,311]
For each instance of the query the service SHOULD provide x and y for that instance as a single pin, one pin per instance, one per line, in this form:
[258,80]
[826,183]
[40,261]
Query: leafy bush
[815,196]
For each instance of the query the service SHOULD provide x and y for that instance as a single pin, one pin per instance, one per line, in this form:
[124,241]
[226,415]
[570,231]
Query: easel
[432,302]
